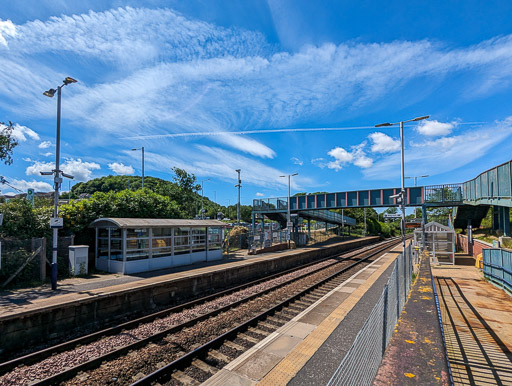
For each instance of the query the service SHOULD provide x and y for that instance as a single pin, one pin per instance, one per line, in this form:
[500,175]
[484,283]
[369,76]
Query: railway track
[188,342]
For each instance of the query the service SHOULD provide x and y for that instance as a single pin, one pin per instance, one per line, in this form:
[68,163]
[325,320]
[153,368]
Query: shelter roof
[153,223]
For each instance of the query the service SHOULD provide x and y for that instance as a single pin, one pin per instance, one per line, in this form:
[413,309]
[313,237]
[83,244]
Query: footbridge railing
[492,187]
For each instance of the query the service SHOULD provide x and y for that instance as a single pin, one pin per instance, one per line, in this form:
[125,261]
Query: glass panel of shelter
[214,239]
[181,240]
[137,244]
[161,242]
[198,236]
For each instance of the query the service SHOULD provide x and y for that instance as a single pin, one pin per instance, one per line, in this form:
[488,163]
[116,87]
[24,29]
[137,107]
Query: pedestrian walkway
[415,354]
[477,322]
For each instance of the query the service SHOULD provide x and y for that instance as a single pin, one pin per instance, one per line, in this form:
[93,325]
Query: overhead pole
[239,185]
[401,195]
[55,222]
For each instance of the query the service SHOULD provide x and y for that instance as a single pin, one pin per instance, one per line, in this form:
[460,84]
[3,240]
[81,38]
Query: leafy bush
[125,204]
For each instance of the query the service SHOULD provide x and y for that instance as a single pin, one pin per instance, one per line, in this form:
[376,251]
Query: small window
[162,232]
[133,233]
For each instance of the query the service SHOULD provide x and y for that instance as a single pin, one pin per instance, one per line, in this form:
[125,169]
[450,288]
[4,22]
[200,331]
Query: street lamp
[288,221]
[401,195]
[202,196]
[239,185]
[416,178]
[55,222]
[142,148]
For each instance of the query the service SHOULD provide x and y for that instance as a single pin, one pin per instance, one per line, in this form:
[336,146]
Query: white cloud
[320,162]
[258,194]
[47,154]
[442,155]
[341,158]
[297,161]
[434,128]
[38,186]
[20,132]
[45,145]
[247,145]
[121,169]
[356,156]
[383,143]
[219,163]
[82,171]
[7,29]
[175,74]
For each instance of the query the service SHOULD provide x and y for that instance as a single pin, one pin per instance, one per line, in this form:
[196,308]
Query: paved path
[415,354]
[477,320]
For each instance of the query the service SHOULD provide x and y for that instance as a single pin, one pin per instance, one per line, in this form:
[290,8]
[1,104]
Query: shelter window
[137,244]
[198,239]
[162,242]
[214,239]
[181,240]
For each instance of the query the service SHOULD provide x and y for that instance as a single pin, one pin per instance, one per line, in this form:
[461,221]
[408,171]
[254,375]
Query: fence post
[385,320]
[397,290]
[42,259]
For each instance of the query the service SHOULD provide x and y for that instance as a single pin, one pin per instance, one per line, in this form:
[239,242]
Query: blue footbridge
[471,201]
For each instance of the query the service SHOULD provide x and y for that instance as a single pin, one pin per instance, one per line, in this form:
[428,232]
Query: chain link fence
[362,361]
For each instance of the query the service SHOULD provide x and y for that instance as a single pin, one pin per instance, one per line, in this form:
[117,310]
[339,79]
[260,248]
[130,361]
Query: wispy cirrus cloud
[165,73]
[442,154]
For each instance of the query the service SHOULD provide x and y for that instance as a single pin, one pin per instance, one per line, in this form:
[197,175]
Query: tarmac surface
[477,320]
[415,354]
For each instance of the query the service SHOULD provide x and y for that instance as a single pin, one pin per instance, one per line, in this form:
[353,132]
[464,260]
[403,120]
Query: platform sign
[289,224]
[30,196]
[413,225]
[392,215]
[56,222]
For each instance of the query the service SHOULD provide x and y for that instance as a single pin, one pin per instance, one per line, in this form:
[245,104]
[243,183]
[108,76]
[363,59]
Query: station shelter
[132,245]
[438,240]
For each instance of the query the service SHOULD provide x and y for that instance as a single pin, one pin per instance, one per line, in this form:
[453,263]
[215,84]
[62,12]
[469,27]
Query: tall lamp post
[141,148]
[401,195]
[202,197]
[288,221]
[239,185]
[416,178]
[55,222]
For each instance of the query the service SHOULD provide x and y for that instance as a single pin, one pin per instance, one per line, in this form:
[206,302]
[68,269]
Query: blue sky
[213,86]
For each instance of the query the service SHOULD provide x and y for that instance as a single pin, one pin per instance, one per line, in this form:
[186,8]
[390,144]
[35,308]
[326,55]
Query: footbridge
[472,199]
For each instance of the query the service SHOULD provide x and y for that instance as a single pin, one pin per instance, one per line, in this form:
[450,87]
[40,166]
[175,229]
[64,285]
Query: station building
[133,245]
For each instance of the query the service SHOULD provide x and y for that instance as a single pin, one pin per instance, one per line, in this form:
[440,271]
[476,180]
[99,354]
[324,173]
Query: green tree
[7,143]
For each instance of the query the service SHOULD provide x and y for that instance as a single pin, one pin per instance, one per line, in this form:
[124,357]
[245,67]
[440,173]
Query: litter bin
[78,260]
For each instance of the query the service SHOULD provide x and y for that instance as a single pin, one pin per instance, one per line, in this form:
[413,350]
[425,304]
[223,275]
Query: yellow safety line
[289,366]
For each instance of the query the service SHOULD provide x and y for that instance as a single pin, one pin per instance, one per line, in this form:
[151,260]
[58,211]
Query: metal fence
[267,238]
[498,267]
[362,361]
[22,262]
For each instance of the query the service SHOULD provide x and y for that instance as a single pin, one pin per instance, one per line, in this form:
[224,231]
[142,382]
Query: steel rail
[65,346]
[96,362]
[164,373]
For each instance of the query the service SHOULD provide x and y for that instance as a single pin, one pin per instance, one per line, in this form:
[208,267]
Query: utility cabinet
[78,260]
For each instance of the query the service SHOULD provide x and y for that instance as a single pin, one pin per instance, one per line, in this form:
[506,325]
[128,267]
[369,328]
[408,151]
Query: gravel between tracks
[62,361]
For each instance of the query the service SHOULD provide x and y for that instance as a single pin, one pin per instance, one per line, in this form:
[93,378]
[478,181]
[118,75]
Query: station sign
[56,222]
[392,215]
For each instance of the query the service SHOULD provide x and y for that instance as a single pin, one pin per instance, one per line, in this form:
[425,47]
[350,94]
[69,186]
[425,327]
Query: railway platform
[39,316]
[477,322]
[308,349]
